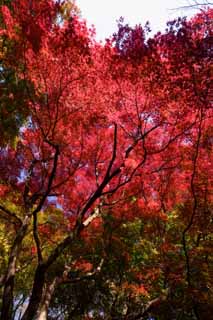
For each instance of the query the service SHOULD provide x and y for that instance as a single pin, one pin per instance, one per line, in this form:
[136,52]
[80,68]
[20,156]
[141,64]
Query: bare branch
[195,5]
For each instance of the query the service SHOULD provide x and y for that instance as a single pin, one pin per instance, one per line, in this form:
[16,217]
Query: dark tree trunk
[7,303]
[43,309]
[7,300]
[37,293]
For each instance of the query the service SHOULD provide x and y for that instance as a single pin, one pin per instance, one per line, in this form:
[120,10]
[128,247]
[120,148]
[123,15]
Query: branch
[87,276]
[11,215]
[51,178]
[196,5]
[142,137]
[194,210]
[27,188]
[105,181]
[36,238]
[67,241]
[60,248]
[91,217]
[118,170]
[113,153]
[144,313]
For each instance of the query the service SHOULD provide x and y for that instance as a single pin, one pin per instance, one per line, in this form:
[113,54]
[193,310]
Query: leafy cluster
[105,161]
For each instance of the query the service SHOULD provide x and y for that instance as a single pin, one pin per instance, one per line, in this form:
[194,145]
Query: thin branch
[113,153]
[51,178]
[27,188]
[139,139]
[195,5]
[194,210]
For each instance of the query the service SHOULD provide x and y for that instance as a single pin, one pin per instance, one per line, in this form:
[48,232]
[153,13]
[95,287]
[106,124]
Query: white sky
[104,13]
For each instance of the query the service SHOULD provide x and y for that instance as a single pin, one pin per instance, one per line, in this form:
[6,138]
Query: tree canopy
[105,167]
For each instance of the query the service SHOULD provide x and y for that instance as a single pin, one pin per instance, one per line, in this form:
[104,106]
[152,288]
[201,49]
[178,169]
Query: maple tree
[110,166]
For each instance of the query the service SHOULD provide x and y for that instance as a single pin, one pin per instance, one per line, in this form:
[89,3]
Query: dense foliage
[105,167]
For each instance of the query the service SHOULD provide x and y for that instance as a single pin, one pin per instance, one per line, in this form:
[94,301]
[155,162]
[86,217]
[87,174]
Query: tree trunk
[36,296]
[7,303]
[7,300]
[43,310]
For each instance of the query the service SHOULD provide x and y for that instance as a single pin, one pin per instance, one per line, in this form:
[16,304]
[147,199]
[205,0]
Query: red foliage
[83,265]
[136,134]
[119,129]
